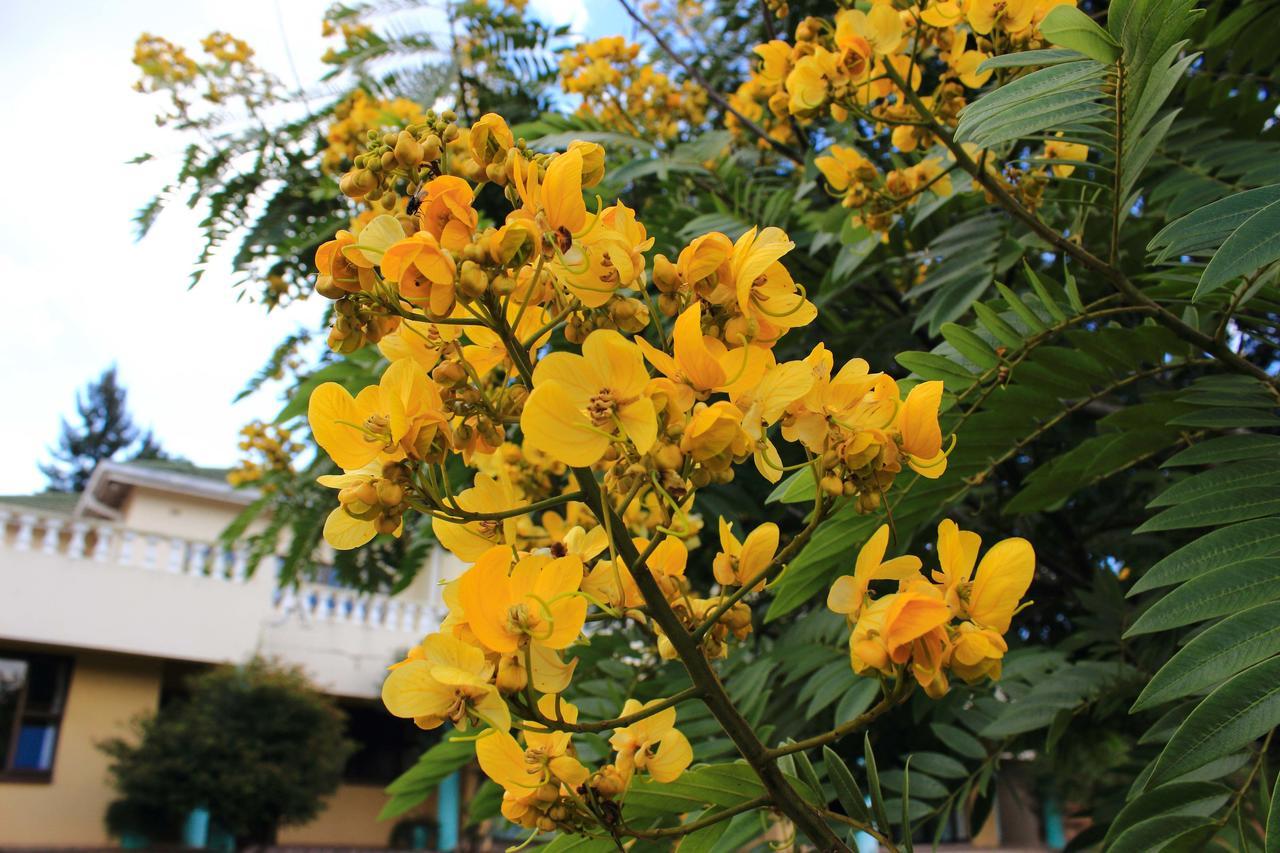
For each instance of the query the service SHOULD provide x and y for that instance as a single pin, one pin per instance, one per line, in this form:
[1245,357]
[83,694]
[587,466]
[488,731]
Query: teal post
[448,817]
[1055,836]
[195,832]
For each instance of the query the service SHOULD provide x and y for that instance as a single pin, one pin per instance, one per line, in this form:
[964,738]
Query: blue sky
[80,292]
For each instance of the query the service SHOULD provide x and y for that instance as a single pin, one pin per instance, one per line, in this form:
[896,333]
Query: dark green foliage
[256,745]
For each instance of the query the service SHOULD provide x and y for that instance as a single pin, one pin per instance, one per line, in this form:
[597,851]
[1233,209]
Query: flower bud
[472,280]
[408,150]
[665,276]
[592,161]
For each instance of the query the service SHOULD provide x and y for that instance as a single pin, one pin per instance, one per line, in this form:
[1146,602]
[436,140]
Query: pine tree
[104,429]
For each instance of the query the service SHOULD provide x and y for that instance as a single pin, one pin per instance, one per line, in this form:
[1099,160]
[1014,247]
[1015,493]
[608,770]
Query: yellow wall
[350,818]
[107,691]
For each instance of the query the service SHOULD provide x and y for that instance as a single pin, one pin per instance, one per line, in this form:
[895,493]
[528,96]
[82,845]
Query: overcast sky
[79,293]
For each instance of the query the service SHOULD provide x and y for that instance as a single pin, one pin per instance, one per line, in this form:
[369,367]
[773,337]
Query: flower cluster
[594,391]
[355,117]
[869,66]
[268,448]
[626,94]
[227,72]
[955,620]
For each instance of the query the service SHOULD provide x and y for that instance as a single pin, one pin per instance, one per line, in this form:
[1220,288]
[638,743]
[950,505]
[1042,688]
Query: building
[109,598]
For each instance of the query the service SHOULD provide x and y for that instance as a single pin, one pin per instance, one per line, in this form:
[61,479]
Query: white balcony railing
[99,585]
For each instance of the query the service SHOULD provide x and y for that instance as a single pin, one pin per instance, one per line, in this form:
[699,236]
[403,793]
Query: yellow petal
[845,595]
[410,691]
[694,359]
[345,532]
[553,424]
[1002,579]
[562,192]
[502,760]
[673,756]
[334,417]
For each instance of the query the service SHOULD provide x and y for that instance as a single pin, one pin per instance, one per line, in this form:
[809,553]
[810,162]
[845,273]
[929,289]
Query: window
[33,692]
[385,746]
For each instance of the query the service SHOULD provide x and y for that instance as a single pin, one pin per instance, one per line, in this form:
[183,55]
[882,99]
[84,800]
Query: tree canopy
[255,745]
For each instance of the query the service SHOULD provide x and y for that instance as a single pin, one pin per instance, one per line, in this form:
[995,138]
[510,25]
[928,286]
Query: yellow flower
[957,553]
[881,28]
[358,516]
[775,61]
[489,139]
[848,594]
[1010,15]
[446,212]
[921,435]
[842,167]
[916,611]
[536,603]
[580,404]
[1056,149]
[422,342]
[703,364]
[342,271]
[764,403]
[715,431]
[445,679]
[356,430]
[471,540]
[977,653]
[423,271]
[548,754]
[943,14]
[966,68]
[1001,579]
[766,294]
[653,744]
[809,82]
[739,562]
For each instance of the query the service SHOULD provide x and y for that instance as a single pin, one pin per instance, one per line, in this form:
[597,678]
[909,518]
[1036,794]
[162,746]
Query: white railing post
[240,563]
[52,532]
[151,544]
[26,531]
[103,537]
[177,555]
[75,546]
[199,558]
[128,542]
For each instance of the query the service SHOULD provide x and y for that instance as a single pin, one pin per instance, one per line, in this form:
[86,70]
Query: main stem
[787,800]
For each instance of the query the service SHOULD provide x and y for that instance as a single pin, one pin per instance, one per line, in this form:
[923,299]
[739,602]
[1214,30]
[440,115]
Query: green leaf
[704,840]
[1067,26]
[1226,448]
[907,843]
[847,790]
[937,764]
[873,784]
[959,741]
[1208,484]
[720,785]
[1205,229]
[995,324]
[1216,549]
[565,843]
[796,488]
[1017,306]
[1198,799]
[930,366]
[415,785]
[1158,833]
[1030,58]
[1273,820]
[1214,655]
[1046,298]
[1254,244]
[1238,503]
[1211,595]
[1231,717]
[970,345]
[1056,96]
